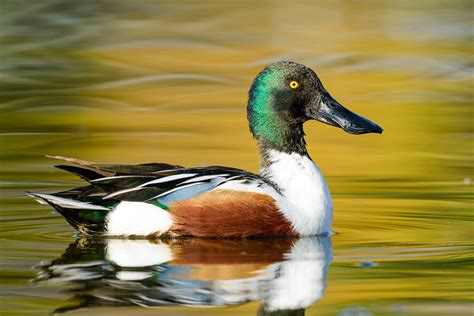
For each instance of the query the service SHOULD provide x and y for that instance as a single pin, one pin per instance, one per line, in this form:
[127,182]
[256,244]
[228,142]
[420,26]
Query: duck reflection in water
[285,275]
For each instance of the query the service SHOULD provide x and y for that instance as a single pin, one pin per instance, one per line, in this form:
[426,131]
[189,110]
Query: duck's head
[285,95]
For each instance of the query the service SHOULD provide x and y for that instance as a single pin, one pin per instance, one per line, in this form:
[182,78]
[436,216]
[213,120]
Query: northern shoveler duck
[289,196]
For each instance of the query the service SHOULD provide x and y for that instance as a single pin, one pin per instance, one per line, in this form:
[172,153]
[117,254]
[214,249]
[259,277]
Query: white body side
[137,218]
[305,200]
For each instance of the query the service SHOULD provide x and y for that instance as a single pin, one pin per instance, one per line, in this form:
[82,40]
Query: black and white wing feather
[155,183]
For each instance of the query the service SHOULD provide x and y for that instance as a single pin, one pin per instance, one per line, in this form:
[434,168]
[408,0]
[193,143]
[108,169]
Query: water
[127,82]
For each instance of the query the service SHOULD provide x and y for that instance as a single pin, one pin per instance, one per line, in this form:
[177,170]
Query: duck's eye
[294,84]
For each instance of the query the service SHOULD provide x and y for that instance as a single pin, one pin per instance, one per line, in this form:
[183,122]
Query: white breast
[305,198]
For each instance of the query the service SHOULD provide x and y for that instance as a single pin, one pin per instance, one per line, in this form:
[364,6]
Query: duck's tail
[86,217]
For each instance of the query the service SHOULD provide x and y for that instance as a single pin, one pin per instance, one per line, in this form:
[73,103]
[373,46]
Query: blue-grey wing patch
[189,190]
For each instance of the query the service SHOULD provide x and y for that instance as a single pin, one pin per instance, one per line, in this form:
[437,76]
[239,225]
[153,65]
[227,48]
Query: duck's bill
[329,111]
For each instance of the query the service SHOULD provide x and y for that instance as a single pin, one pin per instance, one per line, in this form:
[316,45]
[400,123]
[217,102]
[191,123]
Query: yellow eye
[294,85]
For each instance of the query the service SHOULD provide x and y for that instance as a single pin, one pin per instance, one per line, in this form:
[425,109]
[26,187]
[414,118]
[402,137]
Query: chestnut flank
[229,214]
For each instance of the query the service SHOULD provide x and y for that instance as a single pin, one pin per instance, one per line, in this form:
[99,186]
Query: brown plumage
[229,214]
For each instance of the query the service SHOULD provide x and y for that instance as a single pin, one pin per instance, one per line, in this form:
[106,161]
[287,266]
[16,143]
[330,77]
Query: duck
[289,196]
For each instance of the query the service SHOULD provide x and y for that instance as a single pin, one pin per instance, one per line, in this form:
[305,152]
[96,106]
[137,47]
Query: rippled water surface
[167,81]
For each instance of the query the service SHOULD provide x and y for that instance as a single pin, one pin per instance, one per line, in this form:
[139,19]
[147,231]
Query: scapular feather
[84,173]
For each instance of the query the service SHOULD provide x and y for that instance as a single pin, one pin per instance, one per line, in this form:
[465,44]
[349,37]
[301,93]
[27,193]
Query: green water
[131,82]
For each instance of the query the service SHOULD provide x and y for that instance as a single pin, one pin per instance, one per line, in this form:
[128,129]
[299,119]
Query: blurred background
[166,81]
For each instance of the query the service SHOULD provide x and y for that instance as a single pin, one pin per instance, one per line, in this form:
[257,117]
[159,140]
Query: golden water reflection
[285,276]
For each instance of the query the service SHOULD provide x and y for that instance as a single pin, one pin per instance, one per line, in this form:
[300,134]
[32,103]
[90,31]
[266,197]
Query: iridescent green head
[285,95]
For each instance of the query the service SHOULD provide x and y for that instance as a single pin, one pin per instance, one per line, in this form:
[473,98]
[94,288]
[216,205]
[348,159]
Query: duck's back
[160,199]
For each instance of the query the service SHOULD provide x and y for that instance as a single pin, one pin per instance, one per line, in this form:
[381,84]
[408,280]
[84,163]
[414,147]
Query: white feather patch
[305,198]
[137,218]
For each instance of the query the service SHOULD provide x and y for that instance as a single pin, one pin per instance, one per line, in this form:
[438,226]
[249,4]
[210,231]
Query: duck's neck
[305,198]
[286,138]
